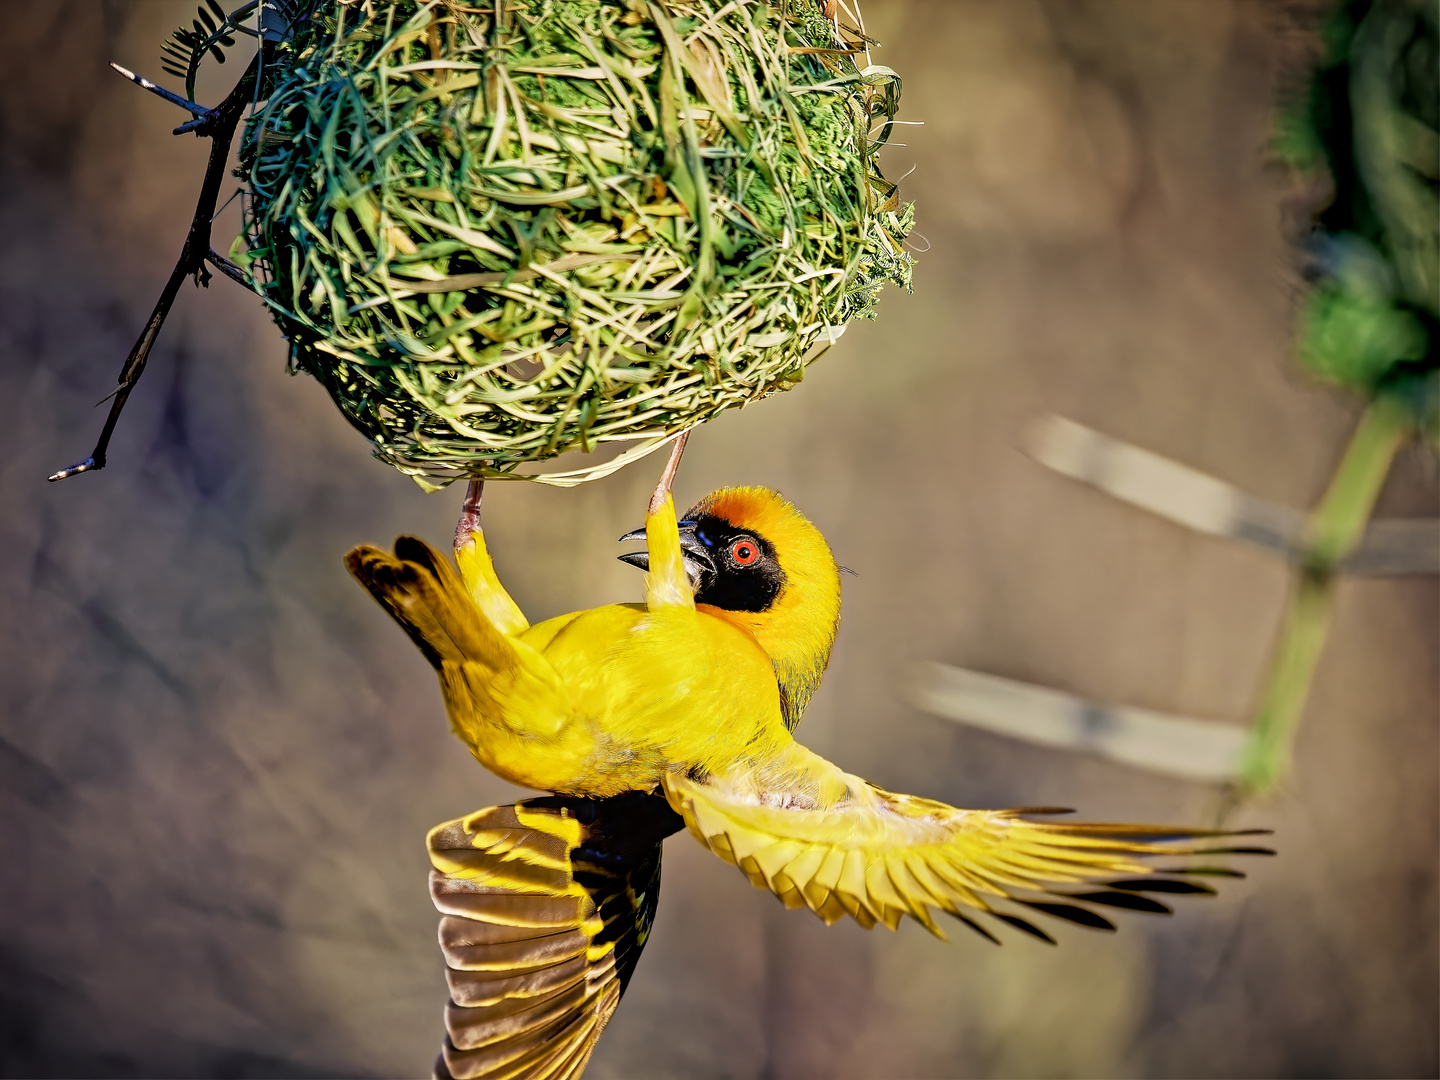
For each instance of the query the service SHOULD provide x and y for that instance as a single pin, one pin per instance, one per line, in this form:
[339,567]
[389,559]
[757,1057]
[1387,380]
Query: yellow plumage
[691,697]
[591,703]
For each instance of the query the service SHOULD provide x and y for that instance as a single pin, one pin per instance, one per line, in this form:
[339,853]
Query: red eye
[744,552]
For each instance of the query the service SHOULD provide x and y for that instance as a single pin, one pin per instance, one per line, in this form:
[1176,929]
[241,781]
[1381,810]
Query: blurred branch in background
[1161,742]
[1338,538]
[1191,498]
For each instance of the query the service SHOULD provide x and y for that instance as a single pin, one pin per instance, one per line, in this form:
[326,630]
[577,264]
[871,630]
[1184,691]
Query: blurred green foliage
[1369,116]
[1354,331]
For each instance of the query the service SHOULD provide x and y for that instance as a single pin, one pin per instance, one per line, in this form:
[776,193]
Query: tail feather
[492,682]
[405,590]
[426,597]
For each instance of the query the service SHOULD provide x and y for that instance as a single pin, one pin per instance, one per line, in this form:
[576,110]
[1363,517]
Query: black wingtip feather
[1206,871]
[1162,885]
[1028,927]
[973,925]
[414,550]
[1071,913]
[1129,901]
[1040,811]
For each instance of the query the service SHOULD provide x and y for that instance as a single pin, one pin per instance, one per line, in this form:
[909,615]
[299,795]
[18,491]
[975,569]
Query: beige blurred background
[218,758]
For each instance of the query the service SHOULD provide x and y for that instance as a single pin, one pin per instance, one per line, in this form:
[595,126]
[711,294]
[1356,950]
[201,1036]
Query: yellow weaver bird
[643,718]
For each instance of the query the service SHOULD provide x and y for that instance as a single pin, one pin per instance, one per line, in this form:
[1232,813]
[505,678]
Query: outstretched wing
[546,906]
[820,838]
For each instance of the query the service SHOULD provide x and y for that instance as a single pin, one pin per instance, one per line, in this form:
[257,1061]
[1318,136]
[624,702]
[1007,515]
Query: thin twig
[200,112]
[219,126]
[230,270]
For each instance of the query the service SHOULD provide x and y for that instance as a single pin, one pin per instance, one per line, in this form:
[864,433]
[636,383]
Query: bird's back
[592,703]
[661,688]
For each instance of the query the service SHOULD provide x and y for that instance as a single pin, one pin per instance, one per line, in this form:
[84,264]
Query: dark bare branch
[229,269]
[219,125]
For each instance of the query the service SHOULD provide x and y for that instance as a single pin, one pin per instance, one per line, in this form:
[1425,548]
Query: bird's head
[757,562]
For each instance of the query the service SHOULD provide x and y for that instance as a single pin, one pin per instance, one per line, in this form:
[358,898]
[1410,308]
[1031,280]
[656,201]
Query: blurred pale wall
[218,758]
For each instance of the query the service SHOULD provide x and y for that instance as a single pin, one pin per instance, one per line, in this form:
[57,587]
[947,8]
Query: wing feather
[546,906]
[876,856]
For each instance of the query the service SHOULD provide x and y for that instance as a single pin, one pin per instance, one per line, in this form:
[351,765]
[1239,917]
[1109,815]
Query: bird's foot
[469,522]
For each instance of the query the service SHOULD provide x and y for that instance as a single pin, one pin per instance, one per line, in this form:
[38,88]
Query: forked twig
[200,112]
[218,125]
[229,269]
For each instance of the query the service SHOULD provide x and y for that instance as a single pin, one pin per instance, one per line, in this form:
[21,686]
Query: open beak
[698,562]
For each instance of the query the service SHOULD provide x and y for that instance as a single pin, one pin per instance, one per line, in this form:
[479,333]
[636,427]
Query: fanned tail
[426,597]
[546,907]
[491,681]
[820,838]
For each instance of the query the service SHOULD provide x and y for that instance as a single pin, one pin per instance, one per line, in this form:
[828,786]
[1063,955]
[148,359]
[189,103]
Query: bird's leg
[667,584]
[478,572]
[667,477]
[469,522]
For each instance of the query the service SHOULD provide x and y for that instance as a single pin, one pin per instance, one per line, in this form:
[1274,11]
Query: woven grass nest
[501,231]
